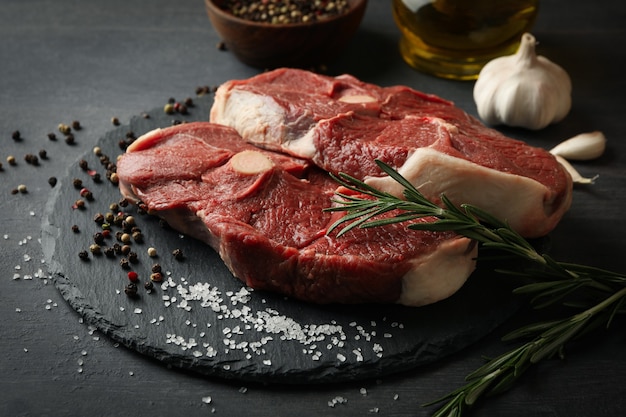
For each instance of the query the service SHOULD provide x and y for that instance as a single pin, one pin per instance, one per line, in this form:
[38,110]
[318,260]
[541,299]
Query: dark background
[93,60]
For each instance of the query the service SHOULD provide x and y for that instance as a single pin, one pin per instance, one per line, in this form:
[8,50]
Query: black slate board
[234,332]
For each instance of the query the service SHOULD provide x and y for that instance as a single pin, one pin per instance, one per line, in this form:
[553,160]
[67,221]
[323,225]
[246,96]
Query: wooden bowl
[269,46]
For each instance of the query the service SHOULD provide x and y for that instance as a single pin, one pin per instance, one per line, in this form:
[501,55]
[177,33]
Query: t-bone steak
[342,124]
[263,212]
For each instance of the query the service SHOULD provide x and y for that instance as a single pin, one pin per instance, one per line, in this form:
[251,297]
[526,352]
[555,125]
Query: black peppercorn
[131,290]
[156,268]
[69,139]
[124,263]
[109,252]
[98,218]
[83,165]
[52,181]
[98,237]
[132,257]
[43,154]
[178,254]
[84,255]
[148,285]
[75,228]
[78,183]
[16,135]
[52,136]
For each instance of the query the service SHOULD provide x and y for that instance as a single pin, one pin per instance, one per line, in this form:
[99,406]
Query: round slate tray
[203,319]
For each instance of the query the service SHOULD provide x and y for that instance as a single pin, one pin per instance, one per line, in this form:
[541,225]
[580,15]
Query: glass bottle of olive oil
[456,38]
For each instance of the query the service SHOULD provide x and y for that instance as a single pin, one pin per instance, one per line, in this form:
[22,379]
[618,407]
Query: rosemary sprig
[551,281]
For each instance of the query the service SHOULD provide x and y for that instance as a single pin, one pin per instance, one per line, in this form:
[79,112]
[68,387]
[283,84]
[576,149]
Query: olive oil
[456,38]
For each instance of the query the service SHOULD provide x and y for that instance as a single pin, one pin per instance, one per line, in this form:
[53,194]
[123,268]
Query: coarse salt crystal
[207,399]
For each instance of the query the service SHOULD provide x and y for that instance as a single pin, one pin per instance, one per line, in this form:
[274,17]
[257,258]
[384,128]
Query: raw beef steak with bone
[342,124]
[263,212]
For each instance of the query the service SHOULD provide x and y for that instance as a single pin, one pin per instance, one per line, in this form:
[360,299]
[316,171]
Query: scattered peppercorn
[115,121]
[78,183]
[75,228]
[178,254]
[14,191]
[133,276]
[52,181]
[16,135]
[156,268]
[123,202]
[76,125]
[84,255]
[132,257]
[52,136]
[106,226]
[79,204]
[95,249]
[98,218]
[148,285]
[43,154]
[156,277]
[98,237]
[69,139]
[221,46]
[97,151]
[65,129]
[169,108]
[126,249]
[31,159]
[11,160]
[1,169]
[138,237]
[124,263]
[109,252]
[152,252]
[22,189]
[83,164]
[131,290]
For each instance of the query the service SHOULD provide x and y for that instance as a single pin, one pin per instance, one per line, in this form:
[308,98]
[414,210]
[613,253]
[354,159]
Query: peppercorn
[16,135]
[124,263]
[97,151]
[43,154]
[106,234]
[69,139]
[98,218]
[156,277]
[52,181]
[65,129]
[79,204]
[123,202]
[169,108]
[109,217]
[95,249]
[78,183]
[98,237]
[156,268]
[117,248]
[11,160]
[31,159]
[115,121]
[114,207]
[148,285]
[1,167]
[138,237]
[22,189]
[178,254]
[75,228]
[106,226]
[132,257]
[84,165]
[76,125]
[131,290]
[188,102]
[84,255]
[114,178]
[152,252]
[109,252]
[14,191]
[126,249]
[52,136]
[133,276]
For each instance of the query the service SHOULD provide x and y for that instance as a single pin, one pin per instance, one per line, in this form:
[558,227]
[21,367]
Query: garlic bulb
[523,89]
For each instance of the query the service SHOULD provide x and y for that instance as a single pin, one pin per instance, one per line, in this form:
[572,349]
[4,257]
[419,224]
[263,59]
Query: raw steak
[263,213]
[342,125]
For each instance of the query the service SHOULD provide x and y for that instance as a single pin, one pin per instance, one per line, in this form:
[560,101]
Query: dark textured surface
[88,60]
[270,338]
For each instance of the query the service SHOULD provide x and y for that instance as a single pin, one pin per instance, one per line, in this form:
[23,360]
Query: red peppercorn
[133,276]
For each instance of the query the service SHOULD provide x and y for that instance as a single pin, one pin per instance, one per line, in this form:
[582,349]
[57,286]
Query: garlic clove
[576,177]
[523,89]
[582,147]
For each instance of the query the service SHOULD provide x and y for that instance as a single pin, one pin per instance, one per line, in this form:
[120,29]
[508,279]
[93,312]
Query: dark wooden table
[90,61]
